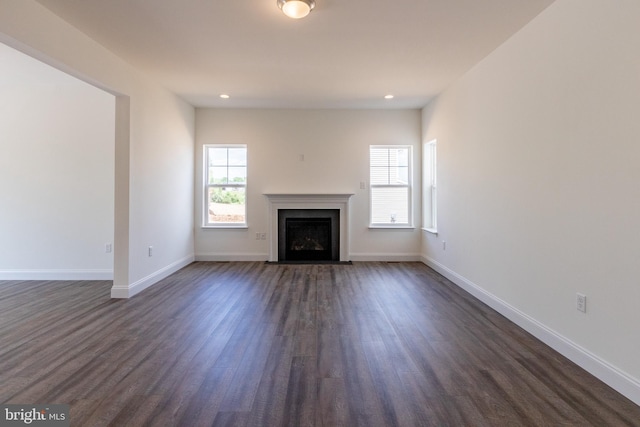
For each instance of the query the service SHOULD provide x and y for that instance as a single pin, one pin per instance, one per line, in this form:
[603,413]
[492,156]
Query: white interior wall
[56,173]
[538,183]
[335,146]
[154,145]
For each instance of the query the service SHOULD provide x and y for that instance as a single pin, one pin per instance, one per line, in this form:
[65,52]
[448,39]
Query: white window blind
[390,185]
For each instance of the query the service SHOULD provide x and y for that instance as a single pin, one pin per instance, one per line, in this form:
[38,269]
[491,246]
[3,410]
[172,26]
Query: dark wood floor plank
[331,408]
[329,353]
[429,409]
[269,402]
[203,406]
[300,402]
[230,419]
[364,403]
[290,308]
[388,387]
[595,401]
[256,344]
[176,401]
[249,371]
[137,411]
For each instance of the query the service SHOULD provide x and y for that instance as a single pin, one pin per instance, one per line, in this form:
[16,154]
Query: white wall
[335,145]
[538,183]
[153,148]
[56,173]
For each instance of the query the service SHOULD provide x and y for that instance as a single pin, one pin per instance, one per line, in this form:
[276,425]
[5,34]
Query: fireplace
[337,202]
[308,234]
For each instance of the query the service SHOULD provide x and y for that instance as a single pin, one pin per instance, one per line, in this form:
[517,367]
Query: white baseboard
[142,284]
[390,257]
[624,383]
[226,256]
[61,274]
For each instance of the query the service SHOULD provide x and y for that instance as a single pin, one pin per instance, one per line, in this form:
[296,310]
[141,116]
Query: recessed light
[388,96]
[224,96]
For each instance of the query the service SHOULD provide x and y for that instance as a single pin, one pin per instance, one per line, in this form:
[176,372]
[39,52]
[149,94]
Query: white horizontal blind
[390,184]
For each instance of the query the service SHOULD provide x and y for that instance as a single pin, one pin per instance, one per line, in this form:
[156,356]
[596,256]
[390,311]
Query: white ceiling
[345,54]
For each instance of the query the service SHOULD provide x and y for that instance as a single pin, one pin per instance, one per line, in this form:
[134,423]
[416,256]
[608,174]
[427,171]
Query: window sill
[225,226]
[392,227]
[431,230]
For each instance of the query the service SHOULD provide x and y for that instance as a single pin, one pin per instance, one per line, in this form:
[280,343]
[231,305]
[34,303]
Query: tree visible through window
[390,184]
[225,185]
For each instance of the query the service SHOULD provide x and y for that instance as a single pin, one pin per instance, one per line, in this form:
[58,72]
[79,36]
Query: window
[225,189]
[390,185]
[430,210]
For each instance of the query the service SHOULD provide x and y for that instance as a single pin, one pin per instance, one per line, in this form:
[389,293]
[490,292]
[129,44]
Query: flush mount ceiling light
[296,9]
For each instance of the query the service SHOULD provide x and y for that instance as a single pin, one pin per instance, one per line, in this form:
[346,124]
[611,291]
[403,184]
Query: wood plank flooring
[255,344]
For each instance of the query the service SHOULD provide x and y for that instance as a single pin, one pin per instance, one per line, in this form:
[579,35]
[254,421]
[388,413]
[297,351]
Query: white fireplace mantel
[308,201]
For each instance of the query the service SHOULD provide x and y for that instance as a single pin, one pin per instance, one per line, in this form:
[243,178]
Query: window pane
[237,156]
[226,205]
[237,174]
[389,166]
[379,175]
[379,157]
[217,175]
[217,156]
[399,157]
[390,205]
[399,175]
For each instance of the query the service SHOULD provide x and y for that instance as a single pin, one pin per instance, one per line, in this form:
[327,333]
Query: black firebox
[308,234]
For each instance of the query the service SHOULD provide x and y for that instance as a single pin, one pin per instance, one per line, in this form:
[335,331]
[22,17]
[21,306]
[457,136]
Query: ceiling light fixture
[224,96]
[296,9]
[388,96]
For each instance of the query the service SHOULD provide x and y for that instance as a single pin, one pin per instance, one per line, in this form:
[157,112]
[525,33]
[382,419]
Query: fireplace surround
[339,203]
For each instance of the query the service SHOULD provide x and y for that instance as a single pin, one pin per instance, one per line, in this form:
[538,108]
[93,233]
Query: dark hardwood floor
[255,344]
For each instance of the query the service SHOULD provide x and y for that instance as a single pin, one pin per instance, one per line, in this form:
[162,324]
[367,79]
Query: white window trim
[430,199]
[409,186]
[206,186]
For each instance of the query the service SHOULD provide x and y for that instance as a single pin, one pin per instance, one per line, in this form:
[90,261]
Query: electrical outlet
[263,236]
[444,245]
[363,185]
[108,248]
[581,302]
[257,236]
[150,251]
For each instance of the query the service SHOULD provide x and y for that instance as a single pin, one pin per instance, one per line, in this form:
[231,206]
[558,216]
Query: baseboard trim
[59,274]
[389,257]
[622,382]
[228,257]
[153,278]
